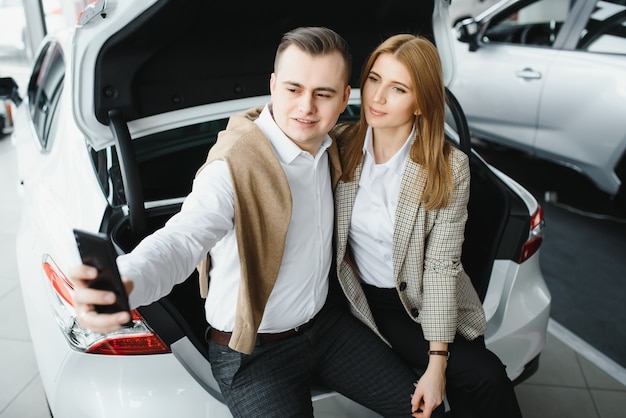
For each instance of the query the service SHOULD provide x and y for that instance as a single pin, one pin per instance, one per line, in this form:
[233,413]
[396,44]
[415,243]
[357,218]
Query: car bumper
[518,311]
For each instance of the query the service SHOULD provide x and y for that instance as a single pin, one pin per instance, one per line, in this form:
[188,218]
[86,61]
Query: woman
[401,213]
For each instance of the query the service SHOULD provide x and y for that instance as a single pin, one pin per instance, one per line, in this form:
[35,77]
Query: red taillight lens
[61,284]
[535,235]
[138,339]
[130,345]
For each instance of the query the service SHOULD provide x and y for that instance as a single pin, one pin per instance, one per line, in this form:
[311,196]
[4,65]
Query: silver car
[548,77]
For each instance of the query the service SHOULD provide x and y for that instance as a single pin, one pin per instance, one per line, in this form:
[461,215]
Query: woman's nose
[378,96]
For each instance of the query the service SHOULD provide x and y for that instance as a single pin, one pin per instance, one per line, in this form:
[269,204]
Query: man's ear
[272,82]
[346,96]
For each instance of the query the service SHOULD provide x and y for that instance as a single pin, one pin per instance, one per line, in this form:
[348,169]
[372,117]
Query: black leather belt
[223,338]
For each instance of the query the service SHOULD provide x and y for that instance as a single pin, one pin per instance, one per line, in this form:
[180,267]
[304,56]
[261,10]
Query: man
[262,208]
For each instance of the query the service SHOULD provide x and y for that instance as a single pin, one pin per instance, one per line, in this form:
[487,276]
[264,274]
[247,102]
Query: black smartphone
[96,249]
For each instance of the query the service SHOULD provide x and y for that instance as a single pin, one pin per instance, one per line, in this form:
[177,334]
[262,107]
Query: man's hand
[85,298]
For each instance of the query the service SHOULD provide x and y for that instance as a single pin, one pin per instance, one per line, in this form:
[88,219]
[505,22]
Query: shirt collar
[395,163]
[285,148]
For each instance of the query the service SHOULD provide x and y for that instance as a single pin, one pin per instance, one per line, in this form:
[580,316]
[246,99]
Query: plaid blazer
[429,276]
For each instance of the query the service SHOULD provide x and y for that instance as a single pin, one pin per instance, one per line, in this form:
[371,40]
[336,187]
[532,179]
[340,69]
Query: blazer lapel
[344,201]
[335,164]
[407,212]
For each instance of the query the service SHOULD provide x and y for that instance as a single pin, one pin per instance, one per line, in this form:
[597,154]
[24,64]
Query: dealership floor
[576,376]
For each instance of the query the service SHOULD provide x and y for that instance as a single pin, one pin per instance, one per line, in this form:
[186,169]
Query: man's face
[308,95]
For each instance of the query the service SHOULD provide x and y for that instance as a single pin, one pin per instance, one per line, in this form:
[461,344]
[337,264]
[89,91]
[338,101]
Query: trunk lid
[158,56]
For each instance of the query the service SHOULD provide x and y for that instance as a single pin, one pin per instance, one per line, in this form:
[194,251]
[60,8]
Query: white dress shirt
[373,215]
[205,223]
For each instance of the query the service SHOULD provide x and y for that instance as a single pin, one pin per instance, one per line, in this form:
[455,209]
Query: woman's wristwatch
[439,353]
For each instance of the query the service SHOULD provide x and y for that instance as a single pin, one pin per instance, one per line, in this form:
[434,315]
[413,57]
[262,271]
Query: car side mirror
[467,31]
[8,90]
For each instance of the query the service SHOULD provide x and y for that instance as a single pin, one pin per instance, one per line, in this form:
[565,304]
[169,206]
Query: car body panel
[605,134]
[515,309]
[516,70]
[559,101]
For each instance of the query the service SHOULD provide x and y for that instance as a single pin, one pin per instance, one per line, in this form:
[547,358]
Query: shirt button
[402,286]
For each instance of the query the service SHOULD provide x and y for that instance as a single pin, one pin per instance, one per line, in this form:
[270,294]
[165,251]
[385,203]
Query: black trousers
[338,351]
[476,381]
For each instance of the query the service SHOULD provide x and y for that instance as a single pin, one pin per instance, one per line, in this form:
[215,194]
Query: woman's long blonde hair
[429,149]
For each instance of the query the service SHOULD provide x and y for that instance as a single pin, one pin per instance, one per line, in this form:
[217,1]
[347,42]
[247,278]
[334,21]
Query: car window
[168,160]
[605,30]
[44,90]
[537,23]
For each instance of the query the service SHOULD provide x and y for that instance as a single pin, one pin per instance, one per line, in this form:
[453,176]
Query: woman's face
[389,95]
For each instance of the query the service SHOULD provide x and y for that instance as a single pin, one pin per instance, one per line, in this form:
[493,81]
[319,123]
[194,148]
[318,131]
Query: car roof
[157,56]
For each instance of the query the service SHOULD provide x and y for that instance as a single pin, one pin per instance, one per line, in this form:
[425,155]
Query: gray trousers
[338,351]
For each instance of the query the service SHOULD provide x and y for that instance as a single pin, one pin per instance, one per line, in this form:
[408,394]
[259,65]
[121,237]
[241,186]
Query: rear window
[168,160]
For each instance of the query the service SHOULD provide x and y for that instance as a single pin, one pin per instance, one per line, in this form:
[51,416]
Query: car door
[500,84]
[584,99]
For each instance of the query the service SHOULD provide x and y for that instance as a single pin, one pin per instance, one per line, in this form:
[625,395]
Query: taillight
[535,235]
[129,345]
[59,282]
[138,339]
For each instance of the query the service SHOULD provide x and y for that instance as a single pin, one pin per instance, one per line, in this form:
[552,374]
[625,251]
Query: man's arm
[166,257]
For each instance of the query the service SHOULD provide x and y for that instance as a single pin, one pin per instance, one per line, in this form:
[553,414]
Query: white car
[548,77]
[118,115]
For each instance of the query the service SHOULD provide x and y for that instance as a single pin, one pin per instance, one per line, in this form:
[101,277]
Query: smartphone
[96,249]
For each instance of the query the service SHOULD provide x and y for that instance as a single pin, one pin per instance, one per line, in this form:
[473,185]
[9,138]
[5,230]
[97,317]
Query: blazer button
[415,312]
[402,286]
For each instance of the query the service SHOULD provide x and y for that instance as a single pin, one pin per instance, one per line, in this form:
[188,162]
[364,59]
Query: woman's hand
[430,389]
